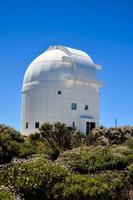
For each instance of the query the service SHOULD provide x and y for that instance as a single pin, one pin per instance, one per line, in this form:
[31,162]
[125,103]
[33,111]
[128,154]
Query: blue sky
[104,29]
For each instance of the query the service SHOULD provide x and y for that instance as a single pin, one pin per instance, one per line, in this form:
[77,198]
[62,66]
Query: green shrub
[80,173]
[92,159]
[13,144]
[130,172]
[11,132]
[41,179]
[26,149]
[6,194]
[8,148]
[34,136]
[129,143]
[59,136]
[123,150]
[10,139]
[52,153]
[99,187]
[35,178]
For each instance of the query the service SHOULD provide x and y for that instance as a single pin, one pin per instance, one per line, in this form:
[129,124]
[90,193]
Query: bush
[129,143]
[34,178]
[99,187]
[59,136]
[52,153]
[41,179]
[93,172]
[34,136]
[6,194]
[130,172]
[13,144]
[109,136]
[92,159]
[9,143]
[11,132]
[26,149]
[123,150]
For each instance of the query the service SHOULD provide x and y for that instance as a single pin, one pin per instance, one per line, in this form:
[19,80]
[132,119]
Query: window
[36,124]
[86,107]
[73,124]
[73,106]
[59,92]
[26,125]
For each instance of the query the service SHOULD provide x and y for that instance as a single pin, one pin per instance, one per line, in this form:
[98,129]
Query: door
[89,127]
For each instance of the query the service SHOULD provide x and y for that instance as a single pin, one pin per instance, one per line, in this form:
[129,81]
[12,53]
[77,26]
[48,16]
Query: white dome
[55,54]
[59,62]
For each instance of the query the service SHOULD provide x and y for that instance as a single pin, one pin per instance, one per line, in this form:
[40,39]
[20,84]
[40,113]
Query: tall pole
[116,123]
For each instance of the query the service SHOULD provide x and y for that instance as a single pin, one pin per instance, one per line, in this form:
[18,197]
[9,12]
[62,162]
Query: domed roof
[59,62]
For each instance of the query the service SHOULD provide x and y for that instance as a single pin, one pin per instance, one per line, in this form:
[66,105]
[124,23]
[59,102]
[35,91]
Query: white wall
[43,104]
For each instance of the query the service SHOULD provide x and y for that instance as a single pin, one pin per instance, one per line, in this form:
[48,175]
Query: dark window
[36,124]
[86,107]
[59,92]
[73,124]
[73,106]
[26,125]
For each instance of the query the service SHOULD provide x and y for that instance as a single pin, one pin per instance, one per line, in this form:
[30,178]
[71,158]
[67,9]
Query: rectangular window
[36,124]
[86,107]
[59,92]
[73,124]
[26,125]
[73,106]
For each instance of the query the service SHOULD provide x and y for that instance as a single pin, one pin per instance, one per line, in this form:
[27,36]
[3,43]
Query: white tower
[61,85]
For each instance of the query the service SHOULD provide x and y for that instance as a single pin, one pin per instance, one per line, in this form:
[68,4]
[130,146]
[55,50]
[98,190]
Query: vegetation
[6,194]
[130,173]
[109,136]
[34,178]
[13,144]
[58,136]
[57,162]
[94,159]
[39,178]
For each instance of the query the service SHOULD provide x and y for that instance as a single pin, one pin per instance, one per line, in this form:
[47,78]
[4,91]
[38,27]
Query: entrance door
[89,127]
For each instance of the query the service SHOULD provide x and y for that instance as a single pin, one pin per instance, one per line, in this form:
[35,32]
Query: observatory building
[61,85]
